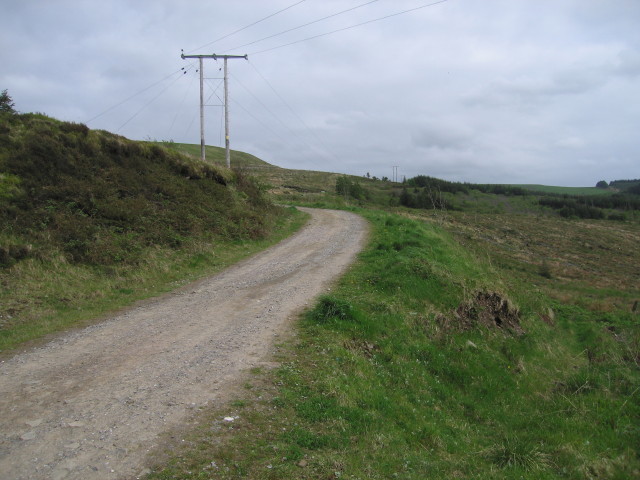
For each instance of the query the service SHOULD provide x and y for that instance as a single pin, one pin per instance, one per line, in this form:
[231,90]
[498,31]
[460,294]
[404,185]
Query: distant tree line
[426,192]
[592,206]
[426,198]
[619,201]
[626,185]
[436,184]
[570,207]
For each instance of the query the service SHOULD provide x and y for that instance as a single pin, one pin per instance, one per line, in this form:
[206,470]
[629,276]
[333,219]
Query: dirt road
[92,403]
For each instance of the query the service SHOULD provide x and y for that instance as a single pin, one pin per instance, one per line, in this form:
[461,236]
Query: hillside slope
[99,198]
[87,216]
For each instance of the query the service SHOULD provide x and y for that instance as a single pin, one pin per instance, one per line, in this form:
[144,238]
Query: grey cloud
[571,142]
[628,63]
[532,90]
[441,137]
[470,91]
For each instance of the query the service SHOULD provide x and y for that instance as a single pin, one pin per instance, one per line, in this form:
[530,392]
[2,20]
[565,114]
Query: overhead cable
[312,132]
[263,105]
[182,70]
[182,102]
[305,25]
[349,27]
[247,26]
[148,103]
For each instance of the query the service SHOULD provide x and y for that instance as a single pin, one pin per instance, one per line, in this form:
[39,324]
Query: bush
[545,270]
[330,308]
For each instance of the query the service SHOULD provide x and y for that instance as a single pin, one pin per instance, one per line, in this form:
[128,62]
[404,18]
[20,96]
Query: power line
[248,112]
[148,103]
[291,131]
[313,133]
[264,106]
[182,70]
[247,26]
[305,25]
[349,27]
[182,102]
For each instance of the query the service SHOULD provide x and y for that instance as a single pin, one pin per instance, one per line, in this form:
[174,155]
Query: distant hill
[98,198]
[216,155]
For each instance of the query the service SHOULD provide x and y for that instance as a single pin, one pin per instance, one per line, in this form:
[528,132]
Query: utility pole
[226,102]
[227,150]
[202,155]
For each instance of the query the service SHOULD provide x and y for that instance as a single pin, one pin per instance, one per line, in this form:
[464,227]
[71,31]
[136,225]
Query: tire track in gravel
[92,403]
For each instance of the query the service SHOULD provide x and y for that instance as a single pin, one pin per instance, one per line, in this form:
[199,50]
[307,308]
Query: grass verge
[41,297]
[420,364]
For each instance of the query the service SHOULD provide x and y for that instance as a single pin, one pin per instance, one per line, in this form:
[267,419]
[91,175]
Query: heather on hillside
[98,198]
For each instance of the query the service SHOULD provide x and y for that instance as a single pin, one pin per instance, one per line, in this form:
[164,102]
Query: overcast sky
[490,91]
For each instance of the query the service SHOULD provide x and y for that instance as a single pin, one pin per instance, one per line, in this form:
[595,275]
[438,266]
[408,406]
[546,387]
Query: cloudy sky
[491,91]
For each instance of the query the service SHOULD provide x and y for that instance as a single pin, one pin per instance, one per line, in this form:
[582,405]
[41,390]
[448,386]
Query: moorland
[486,331]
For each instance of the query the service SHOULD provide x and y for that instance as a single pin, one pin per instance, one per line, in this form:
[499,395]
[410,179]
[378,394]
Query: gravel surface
[92,403]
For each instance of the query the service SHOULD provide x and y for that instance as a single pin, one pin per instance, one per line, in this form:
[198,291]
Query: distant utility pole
[226,101]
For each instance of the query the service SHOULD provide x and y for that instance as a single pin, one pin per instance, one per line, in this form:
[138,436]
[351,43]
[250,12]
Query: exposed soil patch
[363,347]
[487,309]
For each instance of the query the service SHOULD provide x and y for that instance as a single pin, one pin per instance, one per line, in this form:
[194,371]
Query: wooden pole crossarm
[214,56]
[226,101]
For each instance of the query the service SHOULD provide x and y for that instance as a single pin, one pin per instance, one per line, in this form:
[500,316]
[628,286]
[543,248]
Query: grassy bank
[41,297]
[427,361]
[91,221]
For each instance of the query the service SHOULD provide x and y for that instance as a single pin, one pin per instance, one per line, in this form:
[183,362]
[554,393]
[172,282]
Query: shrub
[330,308]
[6,103]
[101,198]
[515,453]
[347,187]
[545,270]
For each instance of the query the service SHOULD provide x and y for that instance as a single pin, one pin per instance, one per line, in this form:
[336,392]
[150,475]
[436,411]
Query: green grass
[587,262]
[43,296]
[400,373]
[91,221]
[494,342]
[216,155]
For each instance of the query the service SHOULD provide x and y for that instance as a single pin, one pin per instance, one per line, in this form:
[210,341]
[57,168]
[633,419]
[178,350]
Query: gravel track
[92,403]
